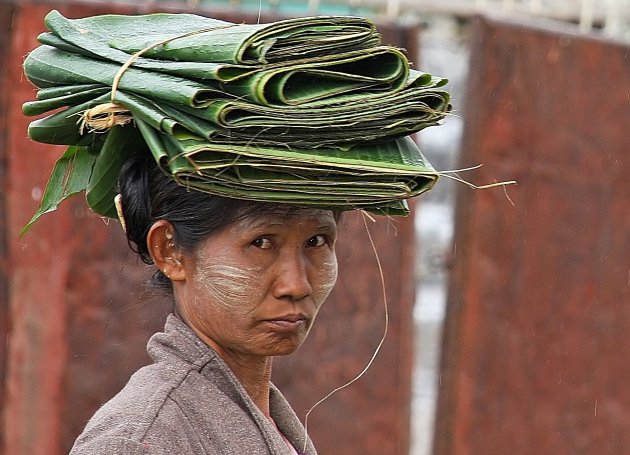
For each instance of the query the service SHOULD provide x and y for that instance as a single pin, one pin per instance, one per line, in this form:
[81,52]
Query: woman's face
[255,287]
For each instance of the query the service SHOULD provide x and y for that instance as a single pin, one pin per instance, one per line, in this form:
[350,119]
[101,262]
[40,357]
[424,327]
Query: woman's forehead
[280,216]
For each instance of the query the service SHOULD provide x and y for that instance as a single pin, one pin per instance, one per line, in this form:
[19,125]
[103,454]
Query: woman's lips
[287,323]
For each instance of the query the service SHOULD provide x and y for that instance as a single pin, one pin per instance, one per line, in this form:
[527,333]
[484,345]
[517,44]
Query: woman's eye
[316,240]
[262,243]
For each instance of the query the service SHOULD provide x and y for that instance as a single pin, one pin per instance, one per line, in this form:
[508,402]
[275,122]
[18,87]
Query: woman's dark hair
[149,195]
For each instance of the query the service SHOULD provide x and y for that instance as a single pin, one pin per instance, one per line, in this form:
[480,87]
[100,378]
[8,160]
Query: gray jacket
[188,402]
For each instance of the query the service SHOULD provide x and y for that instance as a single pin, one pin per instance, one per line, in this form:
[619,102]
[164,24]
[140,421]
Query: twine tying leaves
[103,117]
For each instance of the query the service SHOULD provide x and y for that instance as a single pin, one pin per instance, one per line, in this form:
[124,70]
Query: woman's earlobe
[165,253]
[177,272]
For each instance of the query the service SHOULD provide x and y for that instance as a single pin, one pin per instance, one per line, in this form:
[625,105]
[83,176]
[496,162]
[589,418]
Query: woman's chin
[284,346]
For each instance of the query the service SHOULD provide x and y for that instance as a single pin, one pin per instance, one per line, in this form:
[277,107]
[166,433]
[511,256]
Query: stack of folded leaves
[310,111]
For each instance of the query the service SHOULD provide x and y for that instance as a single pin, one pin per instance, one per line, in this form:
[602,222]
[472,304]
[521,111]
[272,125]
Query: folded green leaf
[49,67]
[367,176]
[63,127]
[71,97]
[217,41]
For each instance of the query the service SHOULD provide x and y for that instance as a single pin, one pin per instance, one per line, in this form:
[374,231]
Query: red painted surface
[6,14]
[78,320]
[536,343]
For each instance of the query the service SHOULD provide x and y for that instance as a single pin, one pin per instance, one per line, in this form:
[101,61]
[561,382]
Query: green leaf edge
[70,176]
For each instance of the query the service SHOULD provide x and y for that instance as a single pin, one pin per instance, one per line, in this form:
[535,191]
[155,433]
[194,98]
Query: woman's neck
[254,374]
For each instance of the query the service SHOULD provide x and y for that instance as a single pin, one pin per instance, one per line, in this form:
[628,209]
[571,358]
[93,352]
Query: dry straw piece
[107,115]
[103,117]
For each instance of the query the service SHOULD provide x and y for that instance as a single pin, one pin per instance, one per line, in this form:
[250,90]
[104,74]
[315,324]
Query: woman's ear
[165,254]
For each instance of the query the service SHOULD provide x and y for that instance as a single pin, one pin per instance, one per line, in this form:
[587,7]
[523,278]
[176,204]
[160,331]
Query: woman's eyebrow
[327,225]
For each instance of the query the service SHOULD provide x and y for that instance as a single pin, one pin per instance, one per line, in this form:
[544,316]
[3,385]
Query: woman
[311,111]
[247,281]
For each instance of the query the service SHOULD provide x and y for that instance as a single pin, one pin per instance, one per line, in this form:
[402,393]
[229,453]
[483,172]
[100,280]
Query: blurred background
[510,307]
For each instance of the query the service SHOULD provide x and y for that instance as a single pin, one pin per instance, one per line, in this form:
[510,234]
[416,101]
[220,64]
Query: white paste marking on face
[326,282]
[228,285]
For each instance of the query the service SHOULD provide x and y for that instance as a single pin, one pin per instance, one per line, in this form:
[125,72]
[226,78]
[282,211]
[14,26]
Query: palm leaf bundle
[310,111]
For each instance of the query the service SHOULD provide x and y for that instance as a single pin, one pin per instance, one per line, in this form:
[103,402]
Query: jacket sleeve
[168,433]
[108,446]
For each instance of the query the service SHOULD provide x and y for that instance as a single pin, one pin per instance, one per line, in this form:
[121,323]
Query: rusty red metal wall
[536,343]
[78,317]
[6,14]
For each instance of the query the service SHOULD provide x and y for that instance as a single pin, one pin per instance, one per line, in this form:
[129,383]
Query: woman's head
[245,275]
[148,195]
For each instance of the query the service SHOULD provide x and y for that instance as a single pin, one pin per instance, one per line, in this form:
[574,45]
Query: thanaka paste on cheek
[228,285]
[326,281]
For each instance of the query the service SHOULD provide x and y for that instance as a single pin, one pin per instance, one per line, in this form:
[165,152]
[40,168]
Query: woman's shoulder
[186,402]
[142,410]
[113,445]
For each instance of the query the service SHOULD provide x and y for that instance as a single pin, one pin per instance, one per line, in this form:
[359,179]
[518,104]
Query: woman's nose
[291,281]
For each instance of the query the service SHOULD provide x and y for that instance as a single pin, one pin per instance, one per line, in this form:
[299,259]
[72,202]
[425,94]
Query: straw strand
[378,347]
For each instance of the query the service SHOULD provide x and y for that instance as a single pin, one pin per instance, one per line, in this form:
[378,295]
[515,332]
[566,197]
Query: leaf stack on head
[310,111]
